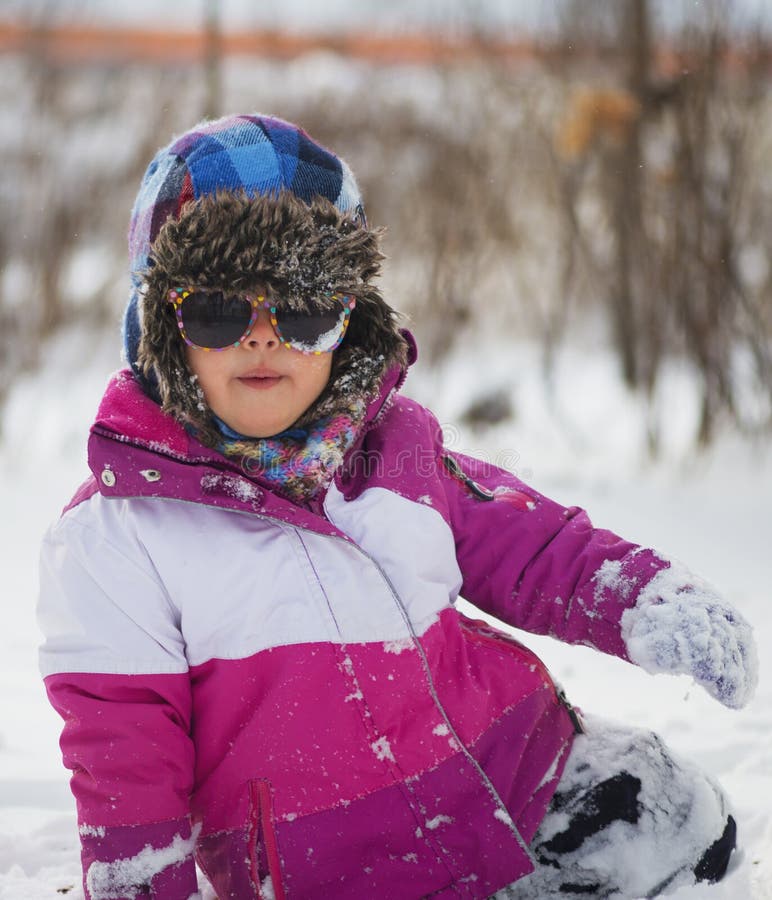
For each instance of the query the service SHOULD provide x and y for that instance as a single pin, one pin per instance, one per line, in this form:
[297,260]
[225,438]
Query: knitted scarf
[299,462]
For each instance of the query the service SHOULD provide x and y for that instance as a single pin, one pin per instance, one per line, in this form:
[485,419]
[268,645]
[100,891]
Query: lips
[260,378]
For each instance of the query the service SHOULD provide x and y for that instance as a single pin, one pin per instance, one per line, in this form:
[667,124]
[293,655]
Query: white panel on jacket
[412,543]
[163,584]
[101,605]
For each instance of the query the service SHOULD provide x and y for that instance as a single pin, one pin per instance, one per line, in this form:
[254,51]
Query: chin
[267,432]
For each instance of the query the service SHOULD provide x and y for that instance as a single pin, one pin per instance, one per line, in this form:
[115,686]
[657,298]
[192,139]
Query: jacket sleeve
[537,565]
[115,670]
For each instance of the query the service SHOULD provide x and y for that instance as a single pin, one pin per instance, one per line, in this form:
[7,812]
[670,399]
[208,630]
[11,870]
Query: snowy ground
[579,443]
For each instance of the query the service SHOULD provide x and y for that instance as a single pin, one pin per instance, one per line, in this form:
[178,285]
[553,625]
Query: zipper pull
[572,713]
[482,493]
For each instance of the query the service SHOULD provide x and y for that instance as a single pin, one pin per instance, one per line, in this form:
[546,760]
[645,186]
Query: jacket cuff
[135,862]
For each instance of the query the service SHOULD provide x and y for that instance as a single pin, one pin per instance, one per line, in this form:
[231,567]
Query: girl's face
[260,387]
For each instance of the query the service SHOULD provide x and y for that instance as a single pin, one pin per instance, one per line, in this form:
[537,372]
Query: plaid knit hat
[257,155]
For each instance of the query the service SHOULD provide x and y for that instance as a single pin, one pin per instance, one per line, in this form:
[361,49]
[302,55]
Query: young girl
[249,618]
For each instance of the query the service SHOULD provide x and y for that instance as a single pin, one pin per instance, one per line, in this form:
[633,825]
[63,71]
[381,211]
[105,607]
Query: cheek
[190,359]
[324,370]
[313,372]
[205,366]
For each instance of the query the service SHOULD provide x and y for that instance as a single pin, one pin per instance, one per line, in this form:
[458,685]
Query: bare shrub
[671,164]
[71,165]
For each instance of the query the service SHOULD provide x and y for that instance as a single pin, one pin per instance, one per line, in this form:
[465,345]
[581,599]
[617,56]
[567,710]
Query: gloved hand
[680,625]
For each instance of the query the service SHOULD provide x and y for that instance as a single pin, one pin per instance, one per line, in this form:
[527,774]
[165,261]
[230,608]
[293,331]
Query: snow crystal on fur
[680,625]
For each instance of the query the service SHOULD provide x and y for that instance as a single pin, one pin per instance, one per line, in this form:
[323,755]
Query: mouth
[260,379]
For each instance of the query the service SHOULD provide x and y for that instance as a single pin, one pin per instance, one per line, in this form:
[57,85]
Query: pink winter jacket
[290,695]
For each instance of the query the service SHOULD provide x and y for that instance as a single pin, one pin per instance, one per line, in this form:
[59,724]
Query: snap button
[108,477]
[150,474]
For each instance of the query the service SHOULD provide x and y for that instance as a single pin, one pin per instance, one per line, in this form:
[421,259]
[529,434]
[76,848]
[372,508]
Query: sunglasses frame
[177,296]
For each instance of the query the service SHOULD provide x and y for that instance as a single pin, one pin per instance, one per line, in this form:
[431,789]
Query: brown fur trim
[295,252]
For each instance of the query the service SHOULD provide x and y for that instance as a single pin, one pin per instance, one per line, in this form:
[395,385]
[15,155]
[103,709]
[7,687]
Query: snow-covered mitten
[681,625]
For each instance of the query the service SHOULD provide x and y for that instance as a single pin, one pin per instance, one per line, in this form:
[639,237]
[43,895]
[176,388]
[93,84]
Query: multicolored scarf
[299,462]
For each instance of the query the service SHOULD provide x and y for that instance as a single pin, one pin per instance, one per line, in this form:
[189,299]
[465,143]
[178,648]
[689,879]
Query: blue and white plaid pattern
[258,154]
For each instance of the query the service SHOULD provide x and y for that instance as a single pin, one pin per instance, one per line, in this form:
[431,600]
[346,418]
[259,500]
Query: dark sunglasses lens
[311,331]
[214,319]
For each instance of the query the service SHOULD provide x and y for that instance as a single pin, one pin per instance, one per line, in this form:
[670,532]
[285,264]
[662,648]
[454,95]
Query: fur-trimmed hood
[297,252]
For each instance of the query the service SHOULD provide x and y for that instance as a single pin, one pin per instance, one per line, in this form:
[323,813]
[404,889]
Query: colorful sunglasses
[211,319]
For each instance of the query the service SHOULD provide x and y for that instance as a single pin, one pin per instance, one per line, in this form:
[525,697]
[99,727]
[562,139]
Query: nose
[262,333]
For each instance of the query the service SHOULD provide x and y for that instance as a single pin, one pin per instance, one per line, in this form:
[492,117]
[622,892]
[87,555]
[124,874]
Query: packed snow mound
[680,813]
[680,625]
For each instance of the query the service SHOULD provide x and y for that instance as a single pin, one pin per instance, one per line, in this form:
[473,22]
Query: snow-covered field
[579,442]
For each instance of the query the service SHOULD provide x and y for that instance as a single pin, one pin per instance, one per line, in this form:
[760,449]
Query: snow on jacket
[290,693]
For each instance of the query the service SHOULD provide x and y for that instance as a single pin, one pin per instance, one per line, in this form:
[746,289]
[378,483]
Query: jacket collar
[136,450]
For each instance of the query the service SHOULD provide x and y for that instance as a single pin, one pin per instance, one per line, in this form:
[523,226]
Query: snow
[239,488]
[382,749]
[399,645]
[325,341]
[609,577]
[550,773]
[503,816]
[119,878]
[578,441]
[435,822]
[679,811]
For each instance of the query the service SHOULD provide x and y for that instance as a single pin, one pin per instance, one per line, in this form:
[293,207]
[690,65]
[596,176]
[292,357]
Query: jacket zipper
[438,703]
